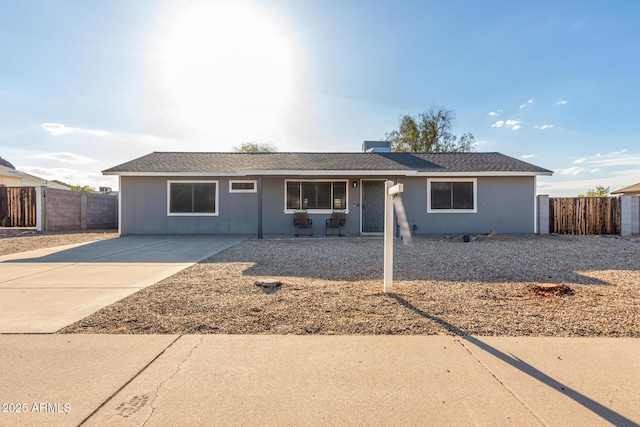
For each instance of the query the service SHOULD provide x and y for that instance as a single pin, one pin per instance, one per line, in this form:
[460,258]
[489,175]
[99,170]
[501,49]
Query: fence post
[543,214]
[625,215]
[83,210]
[40,208]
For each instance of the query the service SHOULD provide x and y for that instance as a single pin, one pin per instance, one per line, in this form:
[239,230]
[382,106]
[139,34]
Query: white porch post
[388,237]
[625,215]
[543,214]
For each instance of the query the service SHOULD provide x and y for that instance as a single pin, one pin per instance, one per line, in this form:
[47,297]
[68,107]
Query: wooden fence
[584,215]
[18,206]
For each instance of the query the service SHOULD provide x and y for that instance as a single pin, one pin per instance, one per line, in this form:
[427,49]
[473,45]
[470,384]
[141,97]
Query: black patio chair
[337,220]
[302,220]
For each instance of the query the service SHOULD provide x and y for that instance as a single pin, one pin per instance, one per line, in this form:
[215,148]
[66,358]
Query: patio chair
[302,220]
[336,221]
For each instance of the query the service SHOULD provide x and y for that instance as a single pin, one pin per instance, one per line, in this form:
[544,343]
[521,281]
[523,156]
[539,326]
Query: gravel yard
[442,286]
[13,241]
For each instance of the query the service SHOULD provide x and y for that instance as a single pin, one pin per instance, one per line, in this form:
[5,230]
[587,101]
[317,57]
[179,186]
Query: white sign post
[390,191]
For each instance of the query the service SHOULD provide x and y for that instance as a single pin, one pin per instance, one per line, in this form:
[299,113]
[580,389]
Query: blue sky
[86,85]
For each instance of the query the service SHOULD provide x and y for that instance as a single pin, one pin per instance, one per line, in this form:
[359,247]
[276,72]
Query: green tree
[84,188]
[598,191]
[430,132]
[255,147]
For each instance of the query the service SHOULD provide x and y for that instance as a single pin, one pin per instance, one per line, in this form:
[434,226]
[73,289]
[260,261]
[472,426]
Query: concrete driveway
[45,290]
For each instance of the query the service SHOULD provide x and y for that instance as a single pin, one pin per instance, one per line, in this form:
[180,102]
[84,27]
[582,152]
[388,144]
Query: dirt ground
[499,285]
[16,240]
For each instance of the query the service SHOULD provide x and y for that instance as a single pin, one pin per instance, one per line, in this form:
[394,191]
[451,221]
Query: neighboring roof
[630,190]
[163,163]
[29,180]
[7,163]
[25,177]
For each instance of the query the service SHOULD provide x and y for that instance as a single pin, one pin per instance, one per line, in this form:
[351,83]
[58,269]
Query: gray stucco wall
[504,204]
[276,222]
[144,209]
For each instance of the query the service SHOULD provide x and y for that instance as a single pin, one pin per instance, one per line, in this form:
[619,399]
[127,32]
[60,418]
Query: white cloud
[630,160]
[513,124]
[616,169]
[616,159]
[562,102]
[64,158]
[571,171]
[57,129]
[543,127]
[495,113]
[529,102]
[528,156]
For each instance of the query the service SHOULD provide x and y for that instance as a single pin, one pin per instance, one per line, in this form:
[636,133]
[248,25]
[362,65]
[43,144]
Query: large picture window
[451,195]
[315,195]
[192,198]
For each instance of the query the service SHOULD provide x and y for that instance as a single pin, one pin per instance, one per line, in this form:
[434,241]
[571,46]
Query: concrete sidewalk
[103,380]
[45,290]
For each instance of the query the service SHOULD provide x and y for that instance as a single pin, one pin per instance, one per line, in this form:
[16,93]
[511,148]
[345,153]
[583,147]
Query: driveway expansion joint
[460,340]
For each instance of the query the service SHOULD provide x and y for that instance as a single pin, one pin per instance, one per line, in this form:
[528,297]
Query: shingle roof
[225,163]
[632,189]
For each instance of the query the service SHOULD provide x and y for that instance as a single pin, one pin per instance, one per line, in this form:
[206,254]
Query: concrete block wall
[101,211]
[65,210]
[62,210]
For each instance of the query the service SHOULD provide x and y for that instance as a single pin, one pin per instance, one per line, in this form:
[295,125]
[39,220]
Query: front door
[372,206]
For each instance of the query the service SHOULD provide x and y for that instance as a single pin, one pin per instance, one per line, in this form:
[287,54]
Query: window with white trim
[452,195]
[315,195]
[198,198]
[248,186]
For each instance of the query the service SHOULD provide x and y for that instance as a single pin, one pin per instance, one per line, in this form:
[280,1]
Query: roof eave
[394,172]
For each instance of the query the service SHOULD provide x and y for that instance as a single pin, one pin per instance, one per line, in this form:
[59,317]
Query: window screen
[339,195]
[316,195]
[455,195]
[192,197]
[293,195]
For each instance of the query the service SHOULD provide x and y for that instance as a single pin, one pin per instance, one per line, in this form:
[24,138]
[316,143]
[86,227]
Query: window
[192,198]
[242,186]
[315,195]
[451,195]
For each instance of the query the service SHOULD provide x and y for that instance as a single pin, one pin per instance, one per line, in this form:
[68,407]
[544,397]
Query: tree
[255,147]
[598,191]
[84,188]
[430,132]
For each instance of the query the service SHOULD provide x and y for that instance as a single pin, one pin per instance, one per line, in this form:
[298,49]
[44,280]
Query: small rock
[268,283]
